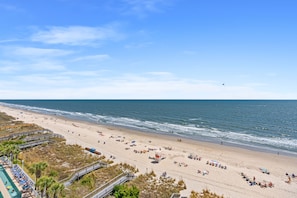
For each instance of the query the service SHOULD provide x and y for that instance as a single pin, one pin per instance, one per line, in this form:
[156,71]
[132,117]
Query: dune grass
[205,194]
[60,157]
[152,186]
[92,181]
[9,125]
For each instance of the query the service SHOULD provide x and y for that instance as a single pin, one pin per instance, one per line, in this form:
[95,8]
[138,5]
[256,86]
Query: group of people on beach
[253,182]
[216,164]
[194,157]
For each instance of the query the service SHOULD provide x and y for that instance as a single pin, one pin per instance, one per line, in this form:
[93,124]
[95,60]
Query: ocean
[266,125]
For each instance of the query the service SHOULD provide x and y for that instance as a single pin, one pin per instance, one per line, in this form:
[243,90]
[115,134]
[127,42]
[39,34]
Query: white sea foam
[185,130]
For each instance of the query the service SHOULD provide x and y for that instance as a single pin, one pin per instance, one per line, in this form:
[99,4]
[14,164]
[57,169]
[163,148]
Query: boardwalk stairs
[106,189]
[83,171]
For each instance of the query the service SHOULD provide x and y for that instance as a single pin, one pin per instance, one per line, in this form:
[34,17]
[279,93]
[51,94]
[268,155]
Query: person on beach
[289,180]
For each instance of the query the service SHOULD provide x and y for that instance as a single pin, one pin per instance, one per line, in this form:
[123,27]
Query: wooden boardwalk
[107,188]
[83,172]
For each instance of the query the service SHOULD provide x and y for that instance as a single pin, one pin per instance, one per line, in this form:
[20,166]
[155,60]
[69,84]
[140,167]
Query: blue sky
[148,49]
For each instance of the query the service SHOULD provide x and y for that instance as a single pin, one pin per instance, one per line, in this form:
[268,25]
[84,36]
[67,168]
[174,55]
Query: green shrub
[123,191]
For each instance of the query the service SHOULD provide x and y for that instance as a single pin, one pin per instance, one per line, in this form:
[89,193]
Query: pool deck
[3,189]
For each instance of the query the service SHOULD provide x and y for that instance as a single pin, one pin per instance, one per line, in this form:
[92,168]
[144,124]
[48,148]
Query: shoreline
[210,140]
[227,182]
[206,140]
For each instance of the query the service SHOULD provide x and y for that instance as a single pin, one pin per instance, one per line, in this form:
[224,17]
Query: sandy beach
[219,168]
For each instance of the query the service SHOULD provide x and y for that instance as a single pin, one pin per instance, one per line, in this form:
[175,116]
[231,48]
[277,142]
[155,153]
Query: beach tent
[159,156]
[264,170]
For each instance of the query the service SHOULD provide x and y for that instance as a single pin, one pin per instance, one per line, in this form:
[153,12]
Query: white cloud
[9,66]
[153,85]
[31,51]
[98,57]
[138,45]
[76,35]
[30,66]
[38,82]
[46,65]
[8,40]
[161,74]
[142,7]
[32,59]
[83,73]
[6,69]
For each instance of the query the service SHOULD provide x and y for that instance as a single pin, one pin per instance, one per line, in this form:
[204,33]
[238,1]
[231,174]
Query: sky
[148,49]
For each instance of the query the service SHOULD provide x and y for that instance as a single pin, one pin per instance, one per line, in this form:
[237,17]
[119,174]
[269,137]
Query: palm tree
[56,188]
[37,169]
[13,150]
[10,149]
[43,184]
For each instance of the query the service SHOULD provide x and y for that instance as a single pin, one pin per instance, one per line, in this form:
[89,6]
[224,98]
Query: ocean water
[268,125]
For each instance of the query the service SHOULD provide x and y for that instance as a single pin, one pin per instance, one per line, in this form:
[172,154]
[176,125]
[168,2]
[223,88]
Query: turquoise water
[258,124]
[9,184]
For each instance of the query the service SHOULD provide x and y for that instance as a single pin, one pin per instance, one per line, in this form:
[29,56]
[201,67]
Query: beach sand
[137,148]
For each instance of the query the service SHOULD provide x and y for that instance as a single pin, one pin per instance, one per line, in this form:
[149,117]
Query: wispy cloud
[32,51]
[161,74]
[46,65]
[127,86]
[98,57]
[142,7]
[31,59]
[30,66]
[138,45]
[8,67]
[44,80]
[9,40]
[75,74]
[8,7]
[76,35]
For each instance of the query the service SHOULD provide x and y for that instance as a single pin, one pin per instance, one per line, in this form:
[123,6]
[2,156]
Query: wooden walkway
[83,172]
[15,135]
[107,188]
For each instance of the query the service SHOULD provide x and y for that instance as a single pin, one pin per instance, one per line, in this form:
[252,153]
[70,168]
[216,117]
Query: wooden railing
[107,188]
[15,135]
[81,172]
